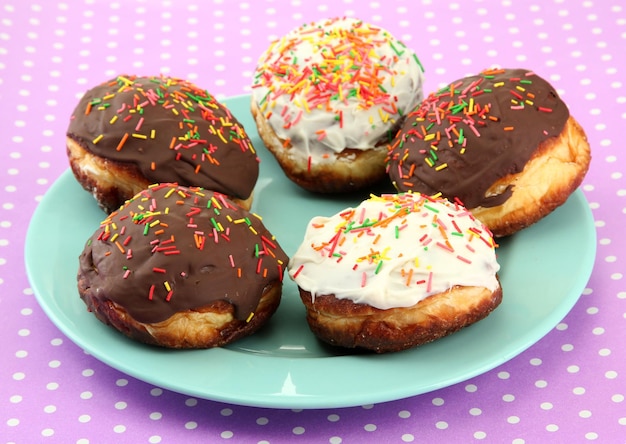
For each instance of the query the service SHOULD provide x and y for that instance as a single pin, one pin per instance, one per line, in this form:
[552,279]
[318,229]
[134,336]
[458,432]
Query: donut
[130,132]
[396,272]
[182,267]
[502,143]
[328,96]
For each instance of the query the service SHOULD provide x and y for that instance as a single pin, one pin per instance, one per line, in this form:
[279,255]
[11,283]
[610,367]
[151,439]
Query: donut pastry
[182,267]
[502,143]
[130,132]
[395,272]
[327,97]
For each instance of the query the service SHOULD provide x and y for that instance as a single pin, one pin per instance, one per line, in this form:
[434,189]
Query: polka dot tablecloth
[568,387]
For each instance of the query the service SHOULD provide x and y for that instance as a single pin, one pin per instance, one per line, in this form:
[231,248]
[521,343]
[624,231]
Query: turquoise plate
[544,270]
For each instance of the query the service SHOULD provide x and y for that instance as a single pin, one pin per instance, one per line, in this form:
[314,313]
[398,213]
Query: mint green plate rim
[544,270]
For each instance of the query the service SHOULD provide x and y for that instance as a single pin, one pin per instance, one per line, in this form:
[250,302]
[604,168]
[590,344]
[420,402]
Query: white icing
[412,250]
[363,123]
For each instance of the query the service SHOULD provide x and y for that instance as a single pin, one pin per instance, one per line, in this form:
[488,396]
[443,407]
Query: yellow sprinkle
[250,317]
[154,223]
[252,229]
[152,134]
[98,139]
[429,137]
[167,285]
[169,192]
[529,102]
[441,167]
[108,96]
[520,88]
[496,85]
[139,136]
[175,111]
[115,236]
[113,119]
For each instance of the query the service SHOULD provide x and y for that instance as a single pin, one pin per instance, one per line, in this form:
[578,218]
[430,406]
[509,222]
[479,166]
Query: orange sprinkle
[122,141]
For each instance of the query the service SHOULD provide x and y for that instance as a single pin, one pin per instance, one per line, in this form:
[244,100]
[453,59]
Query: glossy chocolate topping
[170,129]
[471,133]
[172,248]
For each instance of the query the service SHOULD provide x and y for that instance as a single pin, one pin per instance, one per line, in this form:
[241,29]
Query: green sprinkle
[417,60]
[378,267]
[428,207]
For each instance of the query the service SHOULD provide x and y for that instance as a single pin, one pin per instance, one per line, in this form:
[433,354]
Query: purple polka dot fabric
[568,387]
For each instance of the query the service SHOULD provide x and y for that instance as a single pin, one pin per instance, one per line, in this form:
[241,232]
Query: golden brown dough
[110,182]
[350,169]
[211,326]
[343,323]
[553,173]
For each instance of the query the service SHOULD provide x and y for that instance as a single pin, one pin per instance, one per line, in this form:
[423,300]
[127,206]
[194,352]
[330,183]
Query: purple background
[569,387]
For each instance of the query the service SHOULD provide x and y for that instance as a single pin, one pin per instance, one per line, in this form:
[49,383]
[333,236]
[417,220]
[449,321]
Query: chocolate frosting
[466,136]
[170,129]
[172,248]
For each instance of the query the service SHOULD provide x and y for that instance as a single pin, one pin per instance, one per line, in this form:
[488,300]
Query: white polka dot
[50,409]
[552,427]
[567,347]
[471,388]
[604,352]
[12,422]
[578,390]
[513,419]
[617,398]
[120,428]
[591,436]
[404,414]
[333,417]
[475,411]
[298,430]
[546,406]
[441,425]
[584,414]
[535,361]
[191,402]
[155,416]
[438,401]
[407,437]
[121,382]
[264,421]
[573,369]
[155,439]
[84,418]
[508,398]
[47,432]
[227,434]
[541,383]
[611,374]
[86,395]
[226,412]
[190,425]
[480,435]
[370,427]
[15,399]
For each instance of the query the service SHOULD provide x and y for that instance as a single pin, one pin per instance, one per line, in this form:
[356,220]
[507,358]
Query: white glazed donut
[333,90]
[395,272]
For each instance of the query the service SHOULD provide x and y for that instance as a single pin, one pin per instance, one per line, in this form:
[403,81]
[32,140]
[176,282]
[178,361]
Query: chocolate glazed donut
[475,140]
[147,130]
